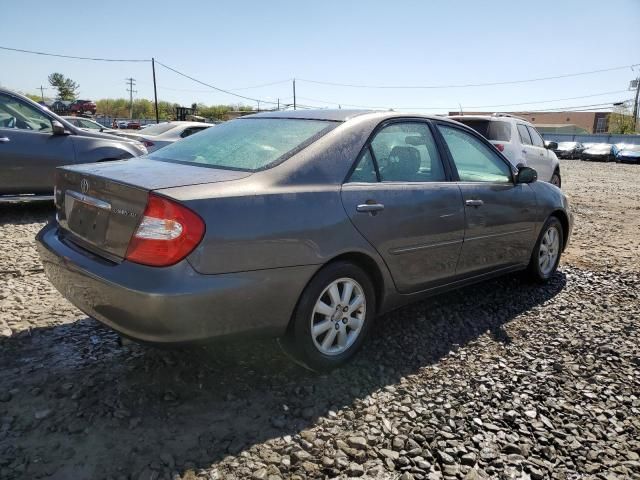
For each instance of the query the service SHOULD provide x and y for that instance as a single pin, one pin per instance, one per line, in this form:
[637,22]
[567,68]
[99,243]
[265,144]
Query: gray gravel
[499,380]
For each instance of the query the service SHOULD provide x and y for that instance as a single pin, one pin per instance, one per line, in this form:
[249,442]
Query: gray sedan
[304,225]
[34,141]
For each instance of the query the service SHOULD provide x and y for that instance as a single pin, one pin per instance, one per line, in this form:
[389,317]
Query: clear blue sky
[237,44]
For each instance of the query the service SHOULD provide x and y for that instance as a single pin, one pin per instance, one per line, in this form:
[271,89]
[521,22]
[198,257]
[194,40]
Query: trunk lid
[100,205]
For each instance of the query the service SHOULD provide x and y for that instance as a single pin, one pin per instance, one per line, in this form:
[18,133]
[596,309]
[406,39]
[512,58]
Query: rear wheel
[332,318]
[555,179]
[546,253]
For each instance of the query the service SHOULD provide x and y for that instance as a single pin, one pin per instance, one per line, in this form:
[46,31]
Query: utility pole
[258,105]
[294,93]
[278,104]
[635,103]
[155,90]
[42,89]
[131,82]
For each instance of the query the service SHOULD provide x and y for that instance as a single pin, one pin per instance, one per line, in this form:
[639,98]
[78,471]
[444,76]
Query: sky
[248,46]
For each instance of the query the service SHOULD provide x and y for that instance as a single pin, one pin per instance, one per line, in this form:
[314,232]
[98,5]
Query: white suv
[519,141]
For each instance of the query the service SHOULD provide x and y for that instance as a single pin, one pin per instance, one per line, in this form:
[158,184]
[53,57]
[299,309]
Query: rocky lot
[503,380]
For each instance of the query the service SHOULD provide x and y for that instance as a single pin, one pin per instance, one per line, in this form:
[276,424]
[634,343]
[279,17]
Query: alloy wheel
[549,250]
[338,316]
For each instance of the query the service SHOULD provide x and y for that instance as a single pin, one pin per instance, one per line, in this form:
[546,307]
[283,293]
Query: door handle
[4,139]
[370,208]
[473,203]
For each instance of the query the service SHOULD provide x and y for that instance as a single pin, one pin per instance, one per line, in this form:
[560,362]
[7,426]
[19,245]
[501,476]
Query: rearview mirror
[551,145]
[57,128]
[526,175]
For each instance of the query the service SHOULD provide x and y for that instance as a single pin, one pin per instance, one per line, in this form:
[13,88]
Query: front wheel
[546,253]
[332,318]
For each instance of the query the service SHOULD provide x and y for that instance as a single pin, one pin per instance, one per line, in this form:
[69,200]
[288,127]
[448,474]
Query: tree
[35,98]
[621,119]
[67,88]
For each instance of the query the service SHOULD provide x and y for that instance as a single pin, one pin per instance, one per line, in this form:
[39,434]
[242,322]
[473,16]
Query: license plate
[87,217]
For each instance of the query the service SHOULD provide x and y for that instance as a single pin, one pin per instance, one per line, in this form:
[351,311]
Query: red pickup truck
[83,106]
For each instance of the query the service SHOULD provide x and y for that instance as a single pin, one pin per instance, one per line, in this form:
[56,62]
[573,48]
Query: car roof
[342,115]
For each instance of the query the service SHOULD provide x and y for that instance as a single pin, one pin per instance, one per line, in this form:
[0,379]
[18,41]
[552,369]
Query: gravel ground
[499,380]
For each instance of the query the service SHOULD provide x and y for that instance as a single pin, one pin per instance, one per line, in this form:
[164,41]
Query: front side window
[474,160]
[536,139]
[524,134]
[245,144]
[407,152]
[17,114]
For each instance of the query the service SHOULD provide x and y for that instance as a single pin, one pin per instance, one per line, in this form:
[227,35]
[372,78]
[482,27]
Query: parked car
[600,152]
[81,122]
[629,154]
[519,141]
[569,150]
[34,141]
[60,107]
[162,134]
[299,224]
[122,124]
[83,106]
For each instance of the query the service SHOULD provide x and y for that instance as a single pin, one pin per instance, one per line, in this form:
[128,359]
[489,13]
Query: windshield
[245,144]
[159,128]
[491,130]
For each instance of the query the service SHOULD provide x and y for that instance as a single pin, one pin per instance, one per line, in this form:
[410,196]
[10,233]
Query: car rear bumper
[173,304]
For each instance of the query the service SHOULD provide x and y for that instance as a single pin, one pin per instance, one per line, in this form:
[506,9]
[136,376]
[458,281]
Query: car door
[401,199]
[543,164]
[499,213]
[29,151]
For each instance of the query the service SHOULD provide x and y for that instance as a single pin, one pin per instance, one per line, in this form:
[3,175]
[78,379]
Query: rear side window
[536,139]
[407,152]
[524,134]
[365,170]
[495,130]
[245,144]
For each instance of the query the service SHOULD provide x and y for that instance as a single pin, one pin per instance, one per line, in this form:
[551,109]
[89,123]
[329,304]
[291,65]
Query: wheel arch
[562,216]
[360,259]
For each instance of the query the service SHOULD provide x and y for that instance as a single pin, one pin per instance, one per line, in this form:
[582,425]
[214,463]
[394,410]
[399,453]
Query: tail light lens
[167,233]
[499,146]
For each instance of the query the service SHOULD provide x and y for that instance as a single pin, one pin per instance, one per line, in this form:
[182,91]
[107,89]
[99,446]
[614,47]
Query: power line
[469,107]
[228,92]
[466,85]
[74,57]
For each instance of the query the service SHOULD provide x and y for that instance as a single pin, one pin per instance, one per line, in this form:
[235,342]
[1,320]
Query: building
[561,122]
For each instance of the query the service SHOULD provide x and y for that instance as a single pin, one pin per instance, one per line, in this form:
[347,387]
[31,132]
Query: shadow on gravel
[22,213]
[79,406]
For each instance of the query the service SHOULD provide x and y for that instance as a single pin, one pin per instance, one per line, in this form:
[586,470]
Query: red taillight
[167,233]
[147,143]
[499,146]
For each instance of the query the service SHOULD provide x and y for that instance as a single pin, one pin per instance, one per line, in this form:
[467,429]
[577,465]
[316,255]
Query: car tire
[549,246]
[556,179]
[324,350]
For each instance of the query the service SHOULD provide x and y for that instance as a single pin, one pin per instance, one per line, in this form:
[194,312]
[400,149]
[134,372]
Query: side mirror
[551,145]
[526,175]
[57,128]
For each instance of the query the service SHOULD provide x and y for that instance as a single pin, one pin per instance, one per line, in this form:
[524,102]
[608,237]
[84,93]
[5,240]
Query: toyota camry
[304,225]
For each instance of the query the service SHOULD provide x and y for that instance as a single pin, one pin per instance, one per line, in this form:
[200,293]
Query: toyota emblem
[84,185]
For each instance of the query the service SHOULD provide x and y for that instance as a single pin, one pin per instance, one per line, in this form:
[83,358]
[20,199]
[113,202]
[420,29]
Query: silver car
[34,141]
[304,225]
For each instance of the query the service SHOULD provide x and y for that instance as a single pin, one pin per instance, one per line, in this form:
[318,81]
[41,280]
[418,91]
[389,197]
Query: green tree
[67,88]
[35,98]
[621,120]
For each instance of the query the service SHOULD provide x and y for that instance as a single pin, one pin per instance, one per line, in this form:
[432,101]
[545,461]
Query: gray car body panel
[28,158]
[281,223]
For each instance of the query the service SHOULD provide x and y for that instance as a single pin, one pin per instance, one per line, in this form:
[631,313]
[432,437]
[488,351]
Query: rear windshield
[245,144]
[159,129]
[567,145]
[489,129]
